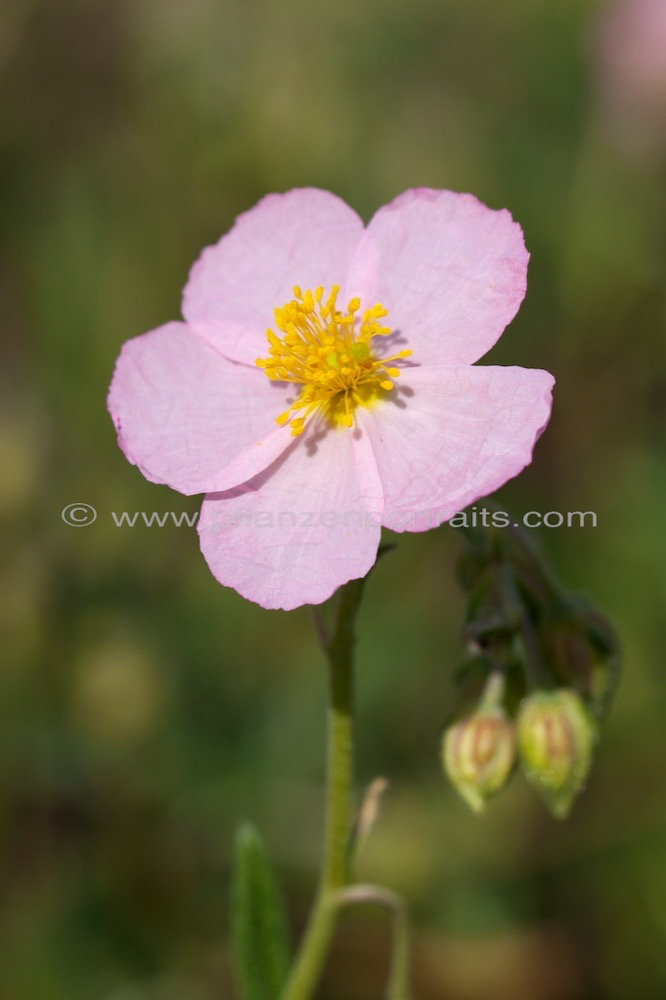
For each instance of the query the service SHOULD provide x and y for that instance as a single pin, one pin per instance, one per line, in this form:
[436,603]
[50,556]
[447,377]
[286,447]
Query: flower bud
[556,737]
[478,753]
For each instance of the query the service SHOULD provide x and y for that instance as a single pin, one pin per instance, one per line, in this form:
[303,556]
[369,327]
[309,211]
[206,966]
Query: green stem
[397,987]
[307,968]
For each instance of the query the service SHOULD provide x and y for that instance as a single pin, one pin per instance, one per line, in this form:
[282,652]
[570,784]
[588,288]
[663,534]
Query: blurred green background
[144,710]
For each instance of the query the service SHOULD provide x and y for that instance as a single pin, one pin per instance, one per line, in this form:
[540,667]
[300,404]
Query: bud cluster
[551,738]
[542,670]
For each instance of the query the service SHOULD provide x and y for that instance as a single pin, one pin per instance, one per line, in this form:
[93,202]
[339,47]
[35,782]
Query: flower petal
[453,435]
[450,271]
[302,528]
[306,237]
[190,418]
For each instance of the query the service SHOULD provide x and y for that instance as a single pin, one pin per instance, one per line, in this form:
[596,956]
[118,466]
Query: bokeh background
[144,710]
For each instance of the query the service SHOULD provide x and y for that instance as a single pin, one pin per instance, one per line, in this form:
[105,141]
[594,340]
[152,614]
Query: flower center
[329,353]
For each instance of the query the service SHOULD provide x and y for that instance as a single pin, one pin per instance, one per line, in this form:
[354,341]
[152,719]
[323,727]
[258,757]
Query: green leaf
[258,921]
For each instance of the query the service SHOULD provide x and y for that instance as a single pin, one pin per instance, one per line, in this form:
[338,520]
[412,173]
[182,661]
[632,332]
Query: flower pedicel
[322,384]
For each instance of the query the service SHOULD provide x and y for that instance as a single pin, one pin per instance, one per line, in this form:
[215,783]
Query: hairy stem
[314,948]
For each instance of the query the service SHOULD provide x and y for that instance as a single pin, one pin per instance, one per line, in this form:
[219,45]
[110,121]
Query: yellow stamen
[329,353]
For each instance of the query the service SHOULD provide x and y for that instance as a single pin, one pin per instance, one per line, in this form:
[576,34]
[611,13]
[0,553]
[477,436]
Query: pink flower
[360,407]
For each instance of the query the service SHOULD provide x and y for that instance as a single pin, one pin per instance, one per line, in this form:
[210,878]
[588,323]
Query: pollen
[329,353]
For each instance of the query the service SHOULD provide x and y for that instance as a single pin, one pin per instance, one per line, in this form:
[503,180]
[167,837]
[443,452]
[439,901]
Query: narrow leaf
[258,921]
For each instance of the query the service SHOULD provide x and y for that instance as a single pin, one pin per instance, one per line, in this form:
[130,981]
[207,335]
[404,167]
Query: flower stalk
[398,981]
[339,649]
